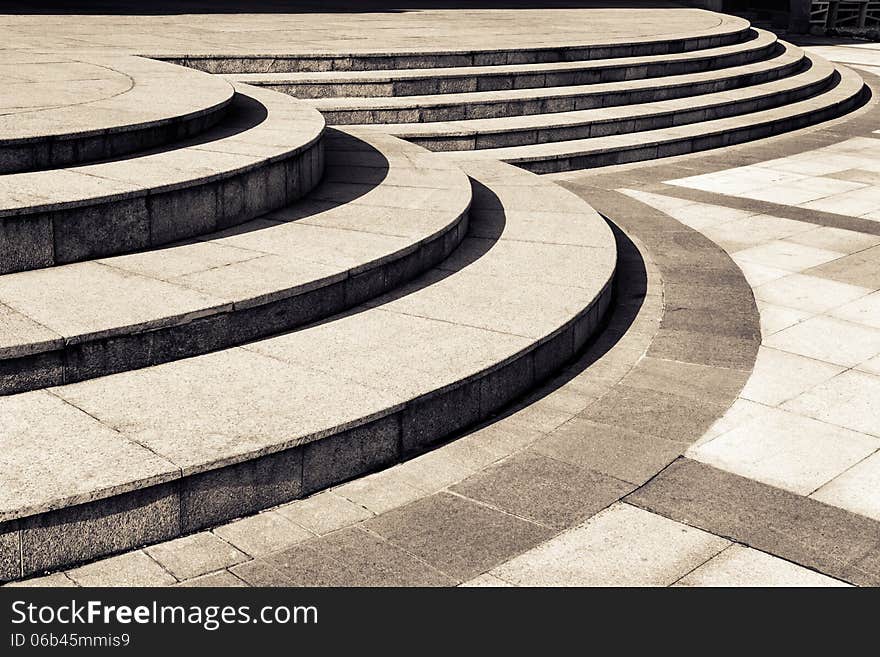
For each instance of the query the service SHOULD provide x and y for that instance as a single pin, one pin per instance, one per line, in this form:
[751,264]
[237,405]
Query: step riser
[366,62]
[616,127]
[551,105]
[46,238]
[684,146]
[100,357]
[467,84]
[55,153]
[87,531]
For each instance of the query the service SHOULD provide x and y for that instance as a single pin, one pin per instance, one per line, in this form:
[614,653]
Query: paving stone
[705,348]
[262,533]
[865,310]
[786,450]
[780,376]
[486,581]
[795,528]
[194,555]
[55,580]
[654,413]
[621,454]
[621,546]
[455,535]
[742,566]
[129,569]
[810,293]
[543,490]
[853,344]
[324,512]
[850,400]
[349,557]
[380,492]
[694,381]
[222,578]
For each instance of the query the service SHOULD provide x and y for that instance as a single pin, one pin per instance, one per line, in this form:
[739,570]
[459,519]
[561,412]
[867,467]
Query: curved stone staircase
[215,305]
[579,109]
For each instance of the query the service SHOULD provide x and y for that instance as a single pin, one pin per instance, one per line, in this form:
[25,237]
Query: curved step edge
[215,320]
[108,208]
[162,500]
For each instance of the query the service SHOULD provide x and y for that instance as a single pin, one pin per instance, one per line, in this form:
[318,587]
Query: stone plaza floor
[722,426]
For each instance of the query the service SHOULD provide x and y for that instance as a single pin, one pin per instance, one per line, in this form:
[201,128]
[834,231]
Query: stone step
[547,100]
[847,93]
[462,79]
[730,29]
[385,212]
[264,155]
[205,439]
[116,105]
[561,126]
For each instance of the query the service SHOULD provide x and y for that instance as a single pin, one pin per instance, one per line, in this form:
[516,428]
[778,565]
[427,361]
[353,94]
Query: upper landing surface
[363,31]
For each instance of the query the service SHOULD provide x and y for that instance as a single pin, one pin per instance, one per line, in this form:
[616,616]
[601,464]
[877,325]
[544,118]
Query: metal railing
[845,13]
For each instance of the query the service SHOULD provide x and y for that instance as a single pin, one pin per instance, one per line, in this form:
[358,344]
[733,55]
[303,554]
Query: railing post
[831,17]
[799,16]
[863,14]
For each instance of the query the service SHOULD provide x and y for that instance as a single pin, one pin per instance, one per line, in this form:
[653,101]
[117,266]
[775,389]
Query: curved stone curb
[90,211]
[427,81]
[165,104]
[447,359]
[555,458]
[291,278]
[730,30]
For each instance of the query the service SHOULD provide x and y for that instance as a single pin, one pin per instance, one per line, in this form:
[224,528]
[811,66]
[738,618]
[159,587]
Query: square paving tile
[796,528]
[809,293]
[856,490]
[194,555]
[739,565]
[757,274]
[262,533]
[782,254]
[544,490]
[861,269]
[349,557]
[621,546]
[55,580]
[129,569]
[828,339]
[779,376]
[624,455]
[850,400]
[486,581]
[786,450]
[835,239]
[865,310]
[324,512]
[776,318]
[457,536]
[854,203]
[222,578]
[654,413]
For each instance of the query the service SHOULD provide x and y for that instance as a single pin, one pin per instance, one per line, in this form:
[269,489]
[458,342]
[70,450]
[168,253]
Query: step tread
[346,226]
[761,39]
[820,71]
[290,126]
[160,93]
[790,55]
[169,421]
[849,86]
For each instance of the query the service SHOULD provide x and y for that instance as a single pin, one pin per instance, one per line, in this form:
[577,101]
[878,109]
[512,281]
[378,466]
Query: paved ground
[396,30]
[722,430]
